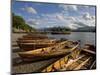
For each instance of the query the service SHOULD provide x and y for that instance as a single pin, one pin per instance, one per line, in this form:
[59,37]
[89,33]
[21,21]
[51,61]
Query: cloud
[85,20]
[30,10]
[81,24]
[78,21]
[32,22]
[58,19]
[70,18]
[74,7]
[87,16]
[69,7]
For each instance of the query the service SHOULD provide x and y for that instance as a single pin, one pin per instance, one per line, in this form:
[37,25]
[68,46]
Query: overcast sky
[43,15]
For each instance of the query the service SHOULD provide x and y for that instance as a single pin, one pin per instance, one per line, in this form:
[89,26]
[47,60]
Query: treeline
[19,23]
[59,29]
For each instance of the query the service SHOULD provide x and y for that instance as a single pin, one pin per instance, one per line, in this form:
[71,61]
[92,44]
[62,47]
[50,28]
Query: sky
[45,15]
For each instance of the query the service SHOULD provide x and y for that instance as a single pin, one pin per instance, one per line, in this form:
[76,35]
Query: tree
[19,23]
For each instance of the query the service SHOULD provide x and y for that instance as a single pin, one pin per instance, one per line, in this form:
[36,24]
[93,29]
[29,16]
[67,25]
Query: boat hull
[49,52]
[27,47]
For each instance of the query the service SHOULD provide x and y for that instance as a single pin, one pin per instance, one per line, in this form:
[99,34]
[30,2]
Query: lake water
[85,37]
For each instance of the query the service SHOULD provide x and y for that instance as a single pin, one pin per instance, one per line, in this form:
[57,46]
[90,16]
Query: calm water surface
[85,37]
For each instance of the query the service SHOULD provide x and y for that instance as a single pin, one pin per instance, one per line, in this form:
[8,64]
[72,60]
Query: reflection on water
[85,37]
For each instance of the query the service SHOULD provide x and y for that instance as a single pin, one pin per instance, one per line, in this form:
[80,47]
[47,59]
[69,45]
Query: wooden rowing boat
[32,37]
[33,46]
[35,36]
[91,49]
[83,61]
[37,41]
[46,53]
[37,45]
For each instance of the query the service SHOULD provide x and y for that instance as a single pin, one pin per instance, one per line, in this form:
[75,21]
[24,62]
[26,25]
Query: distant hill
[63,29]
[60,29]
[86,29]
